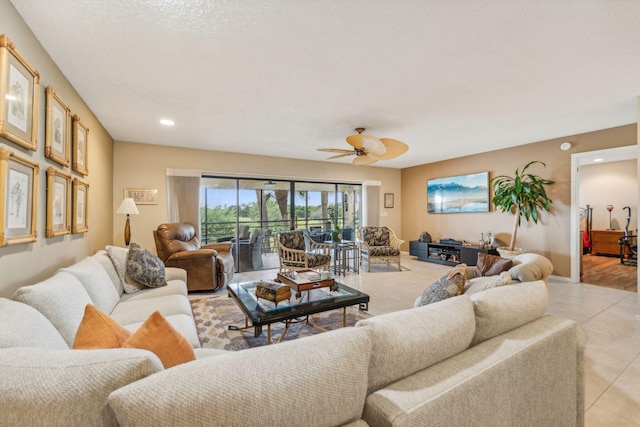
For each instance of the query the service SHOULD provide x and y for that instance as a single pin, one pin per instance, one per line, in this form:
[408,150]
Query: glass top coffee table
[260,312]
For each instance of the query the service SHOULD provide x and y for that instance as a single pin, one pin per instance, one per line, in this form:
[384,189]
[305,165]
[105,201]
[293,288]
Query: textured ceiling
[283,78]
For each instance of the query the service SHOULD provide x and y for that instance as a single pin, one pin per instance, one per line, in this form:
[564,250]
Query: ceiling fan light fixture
[369,149]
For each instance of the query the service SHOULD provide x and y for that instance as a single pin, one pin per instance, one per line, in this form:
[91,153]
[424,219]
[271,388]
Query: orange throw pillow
[99,330]
[157,335]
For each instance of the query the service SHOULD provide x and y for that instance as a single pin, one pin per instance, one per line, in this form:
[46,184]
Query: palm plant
[523,194]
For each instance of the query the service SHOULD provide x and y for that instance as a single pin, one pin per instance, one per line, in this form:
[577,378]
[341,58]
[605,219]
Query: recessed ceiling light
[167,122]
[598,160]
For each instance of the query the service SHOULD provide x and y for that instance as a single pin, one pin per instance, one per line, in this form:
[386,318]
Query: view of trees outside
[226,203]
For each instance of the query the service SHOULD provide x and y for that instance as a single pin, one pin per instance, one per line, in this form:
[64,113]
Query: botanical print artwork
[18,192]
[58,131]
[81,207]
[81,148]
[59,203]
[17,96]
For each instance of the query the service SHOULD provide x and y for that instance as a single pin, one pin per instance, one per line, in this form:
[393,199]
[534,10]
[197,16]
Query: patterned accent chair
[379,245]
[298,251]
[208,268]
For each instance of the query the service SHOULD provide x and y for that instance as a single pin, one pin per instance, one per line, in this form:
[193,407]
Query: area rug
[213,315]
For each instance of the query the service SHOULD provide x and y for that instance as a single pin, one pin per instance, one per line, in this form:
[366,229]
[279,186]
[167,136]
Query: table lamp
[128,206]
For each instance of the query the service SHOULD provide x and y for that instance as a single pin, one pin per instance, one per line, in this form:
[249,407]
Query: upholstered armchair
[379,245]
[208,268]
[298,251]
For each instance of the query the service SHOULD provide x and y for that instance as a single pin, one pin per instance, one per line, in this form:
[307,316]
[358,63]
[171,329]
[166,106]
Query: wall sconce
[128,207]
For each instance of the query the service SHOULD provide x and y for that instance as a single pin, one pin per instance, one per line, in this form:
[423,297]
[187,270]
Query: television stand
[447,253]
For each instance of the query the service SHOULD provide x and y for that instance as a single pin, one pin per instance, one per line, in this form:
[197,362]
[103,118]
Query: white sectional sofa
[493,358]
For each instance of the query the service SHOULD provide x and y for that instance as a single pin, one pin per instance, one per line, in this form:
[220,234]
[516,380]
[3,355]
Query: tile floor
[609,317]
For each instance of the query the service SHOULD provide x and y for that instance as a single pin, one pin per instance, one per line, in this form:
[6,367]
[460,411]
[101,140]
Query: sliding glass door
[237,210]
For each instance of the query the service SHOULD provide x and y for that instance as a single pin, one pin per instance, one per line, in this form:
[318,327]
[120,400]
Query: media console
[447,253]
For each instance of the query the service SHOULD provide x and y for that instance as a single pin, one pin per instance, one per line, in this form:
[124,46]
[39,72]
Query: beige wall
[145,166]
[28,263]
[616,184]
[551,238]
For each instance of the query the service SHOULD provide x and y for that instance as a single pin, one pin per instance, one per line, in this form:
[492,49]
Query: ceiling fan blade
[363,160]
[369,143]
[394,149]
[351,153]
[336,150]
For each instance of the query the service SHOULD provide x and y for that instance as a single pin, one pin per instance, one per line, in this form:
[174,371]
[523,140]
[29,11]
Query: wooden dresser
[605,242]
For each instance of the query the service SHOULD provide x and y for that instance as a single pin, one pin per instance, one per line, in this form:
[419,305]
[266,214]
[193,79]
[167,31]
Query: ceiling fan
[368,149]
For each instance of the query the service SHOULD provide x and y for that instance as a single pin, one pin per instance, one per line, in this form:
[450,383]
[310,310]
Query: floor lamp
[128,207]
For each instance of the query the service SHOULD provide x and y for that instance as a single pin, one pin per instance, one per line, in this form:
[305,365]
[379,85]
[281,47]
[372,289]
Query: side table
[346,256]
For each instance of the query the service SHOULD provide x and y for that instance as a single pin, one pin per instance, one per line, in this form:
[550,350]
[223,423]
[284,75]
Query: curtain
[371,208]
[183,196]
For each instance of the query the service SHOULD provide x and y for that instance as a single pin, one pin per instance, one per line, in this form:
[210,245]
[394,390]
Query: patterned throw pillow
[145,267]
[492,265]
[449,285]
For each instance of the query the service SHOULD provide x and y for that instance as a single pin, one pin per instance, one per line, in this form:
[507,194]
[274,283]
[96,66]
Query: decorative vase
[336,237]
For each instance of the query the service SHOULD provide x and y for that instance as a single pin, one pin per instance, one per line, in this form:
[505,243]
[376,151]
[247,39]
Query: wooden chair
[297,251]
[378,245]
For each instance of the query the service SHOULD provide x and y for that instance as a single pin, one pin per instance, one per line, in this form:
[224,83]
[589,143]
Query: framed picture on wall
[18,198]
[388,200]
[58,202]
[80,213]
[142,196]
[18,97]
[58,129]
[80,147]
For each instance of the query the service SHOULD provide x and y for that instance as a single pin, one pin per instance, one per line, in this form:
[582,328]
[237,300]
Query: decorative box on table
[274,292]
[305,280]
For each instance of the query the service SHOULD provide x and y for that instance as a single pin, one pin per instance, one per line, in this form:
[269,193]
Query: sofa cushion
[408,341]
[96,281]
[23,326]
[491,265]
[174,287]
[182,323]
[504,308]
[158,336]
[241,388]
[449,285]
[139,310]
[529,267]
[482,283]
[66,387]
[105,260]
[118,256]
[61,298]
[145,267]
[99,330]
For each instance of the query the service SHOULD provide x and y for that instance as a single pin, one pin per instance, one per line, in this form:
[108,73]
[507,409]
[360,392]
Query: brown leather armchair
[208,268]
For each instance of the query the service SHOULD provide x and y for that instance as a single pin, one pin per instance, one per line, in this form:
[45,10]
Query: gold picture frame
[18,198]
[58,202]
[80,214]
[58,129]
[19,88]
[80,146]
[142,196]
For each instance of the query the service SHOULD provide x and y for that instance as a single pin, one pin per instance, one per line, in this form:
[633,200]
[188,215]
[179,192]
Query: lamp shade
[128,206]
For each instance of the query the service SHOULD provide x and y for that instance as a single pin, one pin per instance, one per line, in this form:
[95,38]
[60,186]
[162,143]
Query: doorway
[604,186]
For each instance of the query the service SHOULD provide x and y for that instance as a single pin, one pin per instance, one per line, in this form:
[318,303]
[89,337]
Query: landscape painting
[464,193]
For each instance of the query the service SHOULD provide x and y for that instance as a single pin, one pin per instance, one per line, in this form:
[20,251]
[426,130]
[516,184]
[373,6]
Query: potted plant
[522,194]
[335,235]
